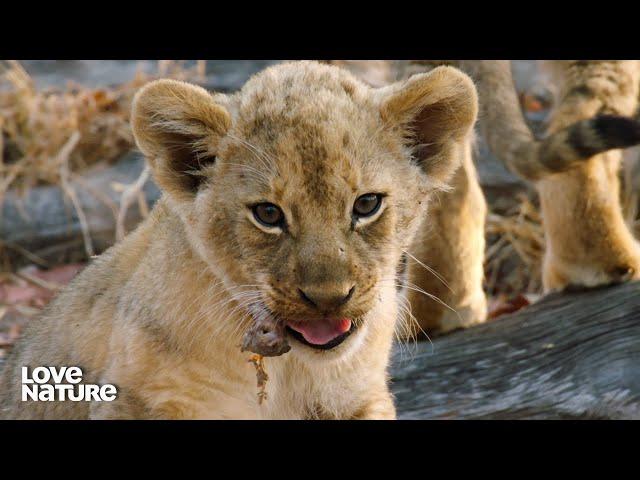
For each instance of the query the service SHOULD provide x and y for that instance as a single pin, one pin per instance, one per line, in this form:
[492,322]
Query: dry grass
[53,133]
[513,257]
[37,126]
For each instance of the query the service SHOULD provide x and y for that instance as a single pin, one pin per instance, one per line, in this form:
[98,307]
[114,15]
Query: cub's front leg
[125,407]
[160,388]
[379,406]
[174,405]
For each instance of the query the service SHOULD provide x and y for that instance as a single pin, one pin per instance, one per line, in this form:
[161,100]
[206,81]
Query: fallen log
[569,356]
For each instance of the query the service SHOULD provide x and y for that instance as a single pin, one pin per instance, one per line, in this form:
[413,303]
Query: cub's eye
[268,214]
[367,204]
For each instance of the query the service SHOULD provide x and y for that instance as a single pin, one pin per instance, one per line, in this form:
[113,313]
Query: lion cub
[294,197]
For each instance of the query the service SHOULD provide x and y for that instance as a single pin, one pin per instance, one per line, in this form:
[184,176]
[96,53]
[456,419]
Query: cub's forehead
[314,125]
[280,97]
[308,83]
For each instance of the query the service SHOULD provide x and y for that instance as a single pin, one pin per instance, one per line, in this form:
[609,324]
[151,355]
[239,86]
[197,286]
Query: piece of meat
[266,337]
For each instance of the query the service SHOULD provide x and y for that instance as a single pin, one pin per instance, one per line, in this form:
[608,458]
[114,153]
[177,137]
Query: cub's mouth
[323,334]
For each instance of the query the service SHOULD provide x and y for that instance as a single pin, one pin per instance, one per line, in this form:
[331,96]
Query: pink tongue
[319,332]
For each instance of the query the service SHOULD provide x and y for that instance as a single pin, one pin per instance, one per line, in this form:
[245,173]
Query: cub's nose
[326,298]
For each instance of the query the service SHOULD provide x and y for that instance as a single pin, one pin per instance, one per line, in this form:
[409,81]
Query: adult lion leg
[588,242]
[575,166]
[449,254]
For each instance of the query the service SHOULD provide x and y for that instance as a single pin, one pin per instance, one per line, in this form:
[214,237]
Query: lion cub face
[302,190]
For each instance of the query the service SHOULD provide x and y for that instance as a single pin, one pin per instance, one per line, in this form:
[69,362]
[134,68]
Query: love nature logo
[59,384]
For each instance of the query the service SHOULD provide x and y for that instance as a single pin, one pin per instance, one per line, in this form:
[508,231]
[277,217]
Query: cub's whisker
[429,269]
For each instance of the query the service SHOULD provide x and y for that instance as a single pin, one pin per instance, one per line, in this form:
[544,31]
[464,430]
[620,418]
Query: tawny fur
[161,315]
[446,257]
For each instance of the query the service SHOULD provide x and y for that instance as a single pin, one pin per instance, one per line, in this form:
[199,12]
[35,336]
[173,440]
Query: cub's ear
[435,112]
[178,126]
